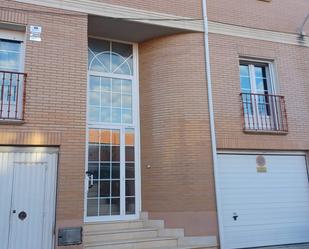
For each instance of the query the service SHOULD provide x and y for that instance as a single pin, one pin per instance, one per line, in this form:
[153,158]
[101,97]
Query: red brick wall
[292,73]
[277,15]
[55,112]
[175,136]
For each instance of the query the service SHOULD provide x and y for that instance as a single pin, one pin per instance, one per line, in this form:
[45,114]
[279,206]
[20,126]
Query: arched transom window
[110,57]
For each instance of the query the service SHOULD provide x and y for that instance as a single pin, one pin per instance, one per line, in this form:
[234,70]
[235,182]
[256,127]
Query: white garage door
[263,206]
[27,197]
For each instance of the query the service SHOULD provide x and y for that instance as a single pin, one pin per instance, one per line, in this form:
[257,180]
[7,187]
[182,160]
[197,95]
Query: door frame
[38,149]
[247,152]
[135,125]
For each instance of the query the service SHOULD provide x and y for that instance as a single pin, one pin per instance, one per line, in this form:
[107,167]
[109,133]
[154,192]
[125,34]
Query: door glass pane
[104,207]
[92,207]
[104,165]
[245,79]
[130,205]
[130,171]
[115,207]
[110,100]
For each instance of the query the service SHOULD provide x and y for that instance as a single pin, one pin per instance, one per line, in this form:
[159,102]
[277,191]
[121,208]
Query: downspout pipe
[212,118]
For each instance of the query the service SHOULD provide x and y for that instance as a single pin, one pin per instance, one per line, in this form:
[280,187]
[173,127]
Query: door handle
[90,177]
[14,211]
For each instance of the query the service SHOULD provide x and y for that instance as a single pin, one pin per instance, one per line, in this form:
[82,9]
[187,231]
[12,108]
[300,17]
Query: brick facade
[175,136]
[55,112]
[276,15]
[291,73]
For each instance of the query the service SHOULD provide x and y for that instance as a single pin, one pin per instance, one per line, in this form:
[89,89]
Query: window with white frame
[263,109]
[12,77]
[112,131]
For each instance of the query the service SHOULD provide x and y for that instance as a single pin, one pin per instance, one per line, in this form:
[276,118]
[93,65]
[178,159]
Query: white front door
[112,175]
[27,198]
[263,201]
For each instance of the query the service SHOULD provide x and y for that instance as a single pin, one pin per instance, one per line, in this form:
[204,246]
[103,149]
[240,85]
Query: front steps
[137,234]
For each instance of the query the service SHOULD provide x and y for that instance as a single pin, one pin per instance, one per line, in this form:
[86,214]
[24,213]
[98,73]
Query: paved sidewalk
[297,246]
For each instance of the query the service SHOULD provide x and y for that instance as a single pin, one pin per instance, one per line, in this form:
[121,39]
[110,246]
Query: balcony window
[263,110]
[12,80]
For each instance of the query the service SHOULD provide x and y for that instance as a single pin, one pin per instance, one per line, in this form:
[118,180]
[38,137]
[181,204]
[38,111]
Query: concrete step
[144,243]
[123,234]
[188,247]
[115,225]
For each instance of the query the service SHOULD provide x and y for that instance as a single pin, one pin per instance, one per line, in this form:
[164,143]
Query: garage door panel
[269,179]
[276,235]
[248,162]
[268,195]
[301,226]
[277,205]
[254,240]
[263,218]
[268,208]
[272,208]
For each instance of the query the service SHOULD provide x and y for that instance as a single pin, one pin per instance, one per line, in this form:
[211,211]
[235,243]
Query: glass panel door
[112,131]
[111,173]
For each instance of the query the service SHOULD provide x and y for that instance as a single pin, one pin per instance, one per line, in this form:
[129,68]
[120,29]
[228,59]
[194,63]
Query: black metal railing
[12,95]
[264,112]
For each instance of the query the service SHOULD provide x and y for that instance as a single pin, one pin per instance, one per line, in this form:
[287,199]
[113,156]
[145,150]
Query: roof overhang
[124,30]
[125,23]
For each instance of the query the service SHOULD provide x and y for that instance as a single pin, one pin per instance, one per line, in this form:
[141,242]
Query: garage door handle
[235,216]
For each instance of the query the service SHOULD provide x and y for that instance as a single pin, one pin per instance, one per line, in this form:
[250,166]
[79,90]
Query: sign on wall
[261,164]
[35,33]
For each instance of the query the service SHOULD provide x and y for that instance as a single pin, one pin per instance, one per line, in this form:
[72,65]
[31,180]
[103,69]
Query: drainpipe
[212,119]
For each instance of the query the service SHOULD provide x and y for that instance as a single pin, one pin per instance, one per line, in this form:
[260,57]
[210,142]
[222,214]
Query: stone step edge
[137,240]
[125,230]
[112,222]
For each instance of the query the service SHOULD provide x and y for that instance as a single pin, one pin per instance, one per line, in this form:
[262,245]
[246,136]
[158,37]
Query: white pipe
[212,120]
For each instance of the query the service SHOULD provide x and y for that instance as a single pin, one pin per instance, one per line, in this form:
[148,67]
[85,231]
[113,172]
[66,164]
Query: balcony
[12,95]
[264,113]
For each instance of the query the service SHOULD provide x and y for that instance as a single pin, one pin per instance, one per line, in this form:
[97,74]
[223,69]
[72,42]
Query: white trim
[117,11]
[257,34]
[262,152]
[138,176]
[29,149]
[12,35]
[111,75]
